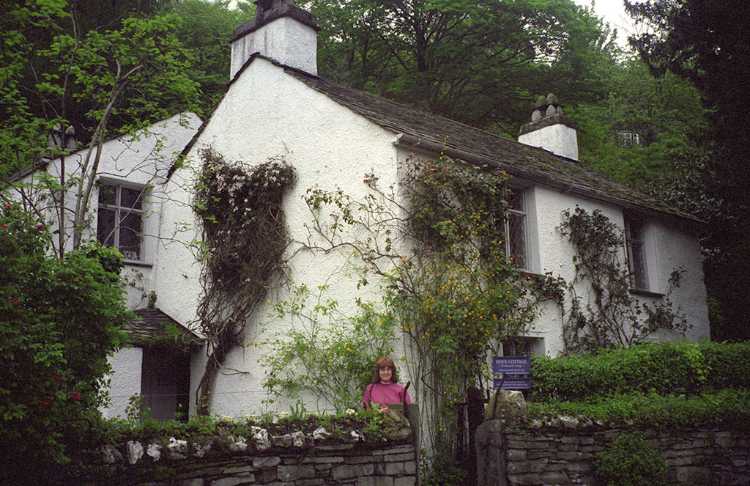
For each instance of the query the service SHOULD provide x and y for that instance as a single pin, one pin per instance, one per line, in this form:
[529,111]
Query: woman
[385,389]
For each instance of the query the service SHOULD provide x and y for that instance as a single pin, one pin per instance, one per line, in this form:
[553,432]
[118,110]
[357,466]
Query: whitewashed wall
[141,160]
[667,248]
[267,113]
[125,381]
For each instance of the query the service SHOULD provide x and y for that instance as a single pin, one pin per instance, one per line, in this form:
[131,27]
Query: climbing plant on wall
[244,240]
[612,316]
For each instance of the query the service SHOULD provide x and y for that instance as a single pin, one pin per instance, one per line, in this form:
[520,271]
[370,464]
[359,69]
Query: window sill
[532,275]
[646,293]
[137,263]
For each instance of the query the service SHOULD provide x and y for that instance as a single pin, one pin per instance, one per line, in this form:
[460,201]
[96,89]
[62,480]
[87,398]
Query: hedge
[726,407]
[647,368]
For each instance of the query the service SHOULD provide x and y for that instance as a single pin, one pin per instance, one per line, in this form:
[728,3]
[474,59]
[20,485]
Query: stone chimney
[550,129]
[280,31]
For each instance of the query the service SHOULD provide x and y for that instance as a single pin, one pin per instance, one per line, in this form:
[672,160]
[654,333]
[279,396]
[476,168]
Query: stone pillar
[490,448]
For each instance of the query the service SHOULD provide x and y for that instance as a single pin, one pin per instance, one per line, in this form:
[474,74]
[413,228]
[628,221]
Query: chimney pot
[550,129]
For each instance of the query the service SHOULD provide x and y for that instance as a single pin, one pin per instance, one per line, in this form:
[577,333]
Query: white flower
[350,412]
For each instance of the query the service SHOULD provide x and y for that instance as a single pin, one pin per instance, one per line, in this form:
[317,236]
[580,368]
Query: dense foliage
[58,322]
[325,352]
[421,52]
[706,42]
[630,461]
[666,115]
[648,411]
[205,29]
[244,240]
[101,82]
[660,368]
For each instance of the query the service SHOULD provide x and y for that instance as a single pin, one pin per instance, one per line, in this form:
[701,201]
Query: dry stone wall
[355,464]
[565,454]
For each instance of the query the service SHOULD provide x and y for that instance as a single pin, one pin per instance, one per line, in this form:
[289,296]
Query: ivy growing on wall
[244,240]
[611,316]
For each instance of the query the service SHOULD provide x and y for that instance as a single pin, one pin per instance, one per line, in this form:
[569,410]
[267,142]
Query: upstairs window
[515,230]
[636,253]
[628,138]
[120,218]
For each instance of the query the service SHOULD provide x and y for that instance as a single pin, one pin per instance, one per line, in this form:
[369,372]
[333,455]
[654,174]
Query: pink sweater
[385,394]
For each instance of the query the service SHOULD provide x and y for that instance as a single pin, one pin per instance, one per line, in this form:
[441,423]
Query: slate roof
[439,134]
[150,327]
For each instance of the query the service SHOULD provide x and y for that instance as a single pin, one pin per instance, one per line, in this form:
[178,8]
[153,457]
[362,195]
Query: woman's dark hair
[384,362]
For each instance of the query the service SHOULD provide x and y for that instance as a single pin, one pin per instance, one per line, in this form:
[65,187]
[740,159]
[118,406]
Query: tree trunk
[208,380]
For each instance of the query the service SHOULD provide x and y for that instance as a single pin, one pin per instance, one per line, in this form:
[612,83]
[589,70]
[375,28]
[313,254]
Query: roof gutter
[411,142]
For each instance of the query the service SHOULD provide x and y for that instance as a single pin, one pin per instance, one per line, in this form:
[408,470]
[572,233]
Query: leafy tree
[707,43]
[206,29]
[58,322]
[22,135]
[98,85]
[473,61]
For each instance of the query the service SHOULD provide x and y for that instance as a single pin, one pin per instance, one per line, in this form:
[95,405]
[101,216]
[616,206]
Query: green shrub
[661,368]
[728,364]
[726,407]
[59,320]
[327,354]
[630,461]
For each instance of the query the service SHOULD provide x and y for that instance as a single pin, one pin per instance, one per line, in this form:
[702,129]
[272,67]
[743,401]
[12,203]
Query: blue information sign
[511,372]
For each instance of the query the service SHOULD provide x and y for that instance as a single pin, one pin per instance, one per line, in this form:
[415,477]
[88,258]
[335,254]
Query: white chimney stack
[550,129]
[281,31]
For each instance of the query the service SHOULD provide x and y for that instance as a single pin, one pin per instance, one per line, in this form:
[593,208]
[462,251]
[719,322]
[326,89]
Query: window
[515,230]
[636,253]
[523,346]
[120,219]
[628,138]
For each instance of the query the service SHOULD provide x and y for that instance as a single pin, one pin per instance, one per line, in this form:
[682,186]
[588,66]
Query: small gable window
[515,230]
[636,253]
[120,218]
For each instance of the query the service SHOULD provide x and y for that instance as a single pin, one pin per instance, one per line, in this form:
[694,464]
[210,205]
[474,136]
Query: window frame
[628,138]
[635,239]
[532,346]
[523,212]
[118,208]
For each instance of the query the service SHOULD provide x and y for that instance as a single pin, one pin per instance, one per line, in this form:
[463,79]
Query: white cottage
[277,105]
